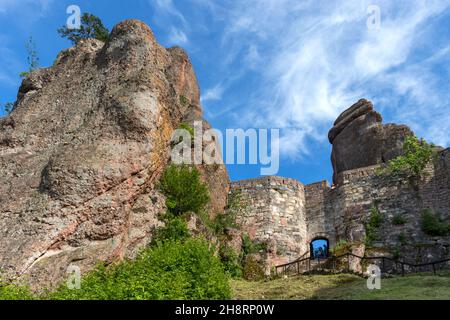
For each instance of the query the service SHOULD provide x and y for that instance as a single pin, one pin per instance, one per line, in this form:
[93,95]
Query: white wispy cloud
[320,57]
[177,37]
[170,18]
[214,93]
[168,7]
[33,6]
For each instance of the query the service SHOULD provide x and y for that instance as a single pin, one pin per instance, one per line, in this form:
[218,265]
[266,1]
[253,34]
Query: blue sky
[293,65]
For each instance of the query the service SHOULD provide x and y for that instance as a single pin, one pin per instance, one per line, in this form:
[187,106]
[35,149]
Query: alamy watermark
[373,22]
[74,278]
[251,146]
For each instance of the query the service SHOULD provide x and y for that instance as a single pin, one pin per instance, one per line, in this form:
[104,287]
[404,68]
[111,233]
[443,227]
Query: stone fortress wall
[289,215]
[274,213]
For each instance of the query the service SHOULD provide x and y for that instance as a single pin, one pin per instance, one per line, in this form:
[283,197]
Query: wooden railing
[342,263]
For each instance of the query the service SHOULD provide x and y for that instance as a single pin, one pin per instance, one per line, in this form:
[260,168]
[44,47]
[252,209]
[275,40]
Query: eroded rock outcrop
[360,139]
[83,149]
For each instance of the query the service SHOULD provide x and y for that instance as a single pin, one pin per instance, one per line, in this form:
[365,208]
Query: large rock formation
[360,139]
[83,149]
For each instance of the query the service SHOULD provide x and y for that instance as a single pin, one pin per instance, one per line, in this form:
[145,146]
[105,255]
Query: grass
[344,287]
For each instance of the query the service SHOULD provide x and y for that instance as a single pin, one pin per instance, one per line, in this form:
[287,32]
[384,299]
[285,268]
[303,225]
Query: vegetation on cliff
[416,155]
[174,266]
[372,225]
[433,225]
[91,27]
[183,190]
[169,270]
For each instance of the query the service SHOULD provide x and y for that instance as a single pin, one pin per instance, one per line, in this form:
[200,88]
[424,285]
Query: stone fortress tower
[288,215]
[83,150]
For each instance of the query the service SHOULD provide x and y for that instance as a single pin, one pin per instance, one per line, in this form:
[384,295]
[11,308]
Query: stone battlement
[288,215]
[266,181]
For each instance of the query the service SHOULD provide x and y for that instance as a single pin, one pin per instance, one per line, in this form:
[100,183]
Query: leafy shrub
[170,270]
[433,225]
[91,27]
[226,220]
[416,155]
[231,261]
[222,222]
[341,247]
[175,228]
[32,58]
[184,101]
[398,220]
[184,190]
[375,221]
[252,269]
[11,291]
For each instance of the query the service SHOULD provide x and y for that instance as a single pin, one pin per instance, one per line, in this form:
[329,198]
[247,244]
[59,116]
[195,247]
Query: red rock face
[360,139]
[83,150]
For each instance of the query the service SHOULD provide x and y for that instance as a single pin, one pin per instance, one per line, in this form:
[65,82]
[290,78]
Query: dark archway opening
[319,248]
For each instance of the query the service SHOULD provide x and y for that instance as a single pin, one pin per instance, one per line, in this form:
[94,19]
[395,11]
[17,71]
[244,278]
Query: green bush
[226,220]
[398,220]
[231,261]
[251,246]
[341,247]
[91,27]
[371,227]
[222,222]
[183,189]
[171,270]
[416,155]
[11,291]
[184,101]
[175,228]
[432,225]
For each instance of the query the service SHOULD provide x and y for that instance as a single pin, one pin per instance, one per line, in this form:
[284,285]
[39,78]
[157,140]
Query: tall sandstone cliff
[82,152]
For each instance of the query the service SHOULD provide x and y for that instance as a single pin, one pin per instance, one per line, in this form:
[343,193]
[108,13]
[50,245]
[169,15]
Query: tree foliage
[374,222]
[433,225]
[91,27]
[175,228]
[9,106]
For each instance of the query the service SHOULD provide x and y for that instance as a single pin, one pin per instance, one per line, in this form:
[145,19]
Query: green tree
[184,190]
[32,58]
[175,229]
[91,27]
[416,155]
